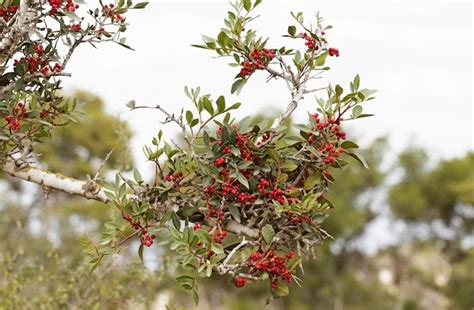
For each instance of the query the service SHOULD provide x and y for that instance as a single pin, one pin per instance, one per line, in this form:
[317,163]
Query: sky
[418,56]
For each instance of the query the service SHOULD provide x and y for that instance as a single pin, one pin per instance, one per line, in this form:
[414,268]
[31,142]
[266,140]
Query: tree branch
[87,189]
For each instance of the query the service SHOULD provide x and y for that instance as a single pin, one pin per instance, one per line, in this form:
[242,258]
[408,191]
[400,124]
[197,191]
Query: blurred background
[403,230]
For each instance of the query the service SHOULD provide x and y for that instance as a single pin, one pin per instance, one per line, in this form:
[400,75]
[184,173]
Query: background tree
[437,205]
[48,269]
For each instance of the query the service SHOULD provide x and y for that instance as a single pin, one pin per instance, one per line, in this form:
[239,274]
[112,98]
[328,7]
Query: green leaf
[189,117]
[186,91]
[186,211]
[292,30]
[368,92]
[365,115]
[188,260]
[175,220]
[106,239]
[356,111]
[140,252]
[194,122]
[274,155]
[184,278]
[131,104]
[311,181]
[319,217]
[237,86]
[220,104]
[360,159]
[282,289]
[327,202]
[235,212]
[223,39]
[356,82]
[137,176]
[203,235]
[339,90]
[208,105]
[349,145]
[235,106]
[289,165]
[268,233]
[320,60]
[140,5]
[195,296]
[209,271]
[217,248]
[206,138]
[303,127]
[247,5]
[242,180]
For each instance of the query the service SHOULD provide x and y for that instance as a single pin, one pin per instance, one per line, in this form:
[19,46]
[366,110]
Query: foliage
[250,195]
[38,39]
[244,199]
[418,196]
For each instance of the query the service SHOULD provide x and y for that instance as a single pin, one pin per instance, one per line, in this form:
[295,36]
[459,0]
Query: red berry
[240,282]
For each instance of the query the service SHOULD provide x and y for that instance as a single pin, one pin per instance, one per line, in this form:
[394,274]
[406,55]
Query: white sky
[418,55]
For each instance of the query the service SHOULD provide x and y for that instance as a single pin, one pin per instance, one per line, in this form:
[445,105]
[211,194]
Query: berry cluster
[76,27]
[8,13]
[332,131]
[37,63]
[219,236]
[327,173]
[229,187]
[262,185]
[145,237]
[310,41]
[19,113]
[218,214]
[258,60]
[333,52]
[175,178]
[67,6]
[110,12]
[298,219]
[314,45]
[219,162]
[280,196]
[330,153]
[271,263]
[43,114]
[240,281]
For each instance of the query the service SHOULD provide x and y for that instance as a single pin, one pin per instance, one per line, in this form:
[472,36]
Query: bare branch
[89,190]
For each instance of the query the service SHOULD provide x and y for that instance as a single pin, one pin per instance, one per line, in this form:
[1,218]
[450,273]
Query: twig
[96,177]
[314,90]
[125,240]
